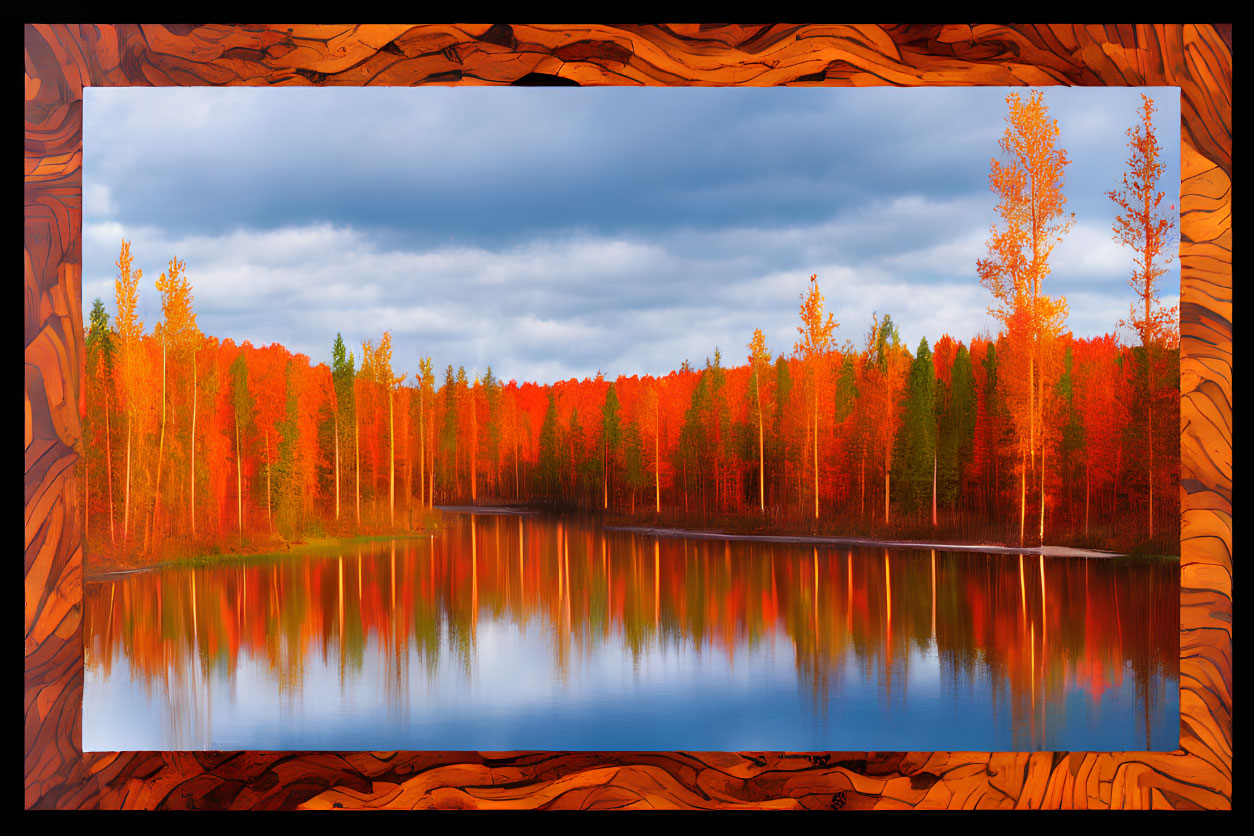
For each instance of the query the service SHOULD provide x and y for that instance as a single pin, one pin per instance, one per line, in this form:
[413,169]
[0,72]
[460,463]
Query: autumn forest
[198,445]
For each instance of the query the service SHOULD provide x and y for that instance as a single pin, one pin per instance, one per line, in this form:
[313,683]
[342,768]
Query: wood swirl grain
[60,60]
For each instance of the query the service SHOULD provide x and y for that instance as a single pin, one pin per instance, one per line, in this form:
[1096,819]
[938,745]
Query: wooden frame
[62,59]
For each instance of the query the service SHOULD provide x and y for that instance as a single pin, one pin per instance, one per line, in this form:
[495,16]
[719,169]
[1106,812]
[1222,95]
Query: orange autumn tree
[1142,226]
[179,337]
[166,284]
[813,349]
[267,383]
[1030,204]
[342,376]
[759,360]
[887,361]
[1101,414]
[384,376]
[650,421]
[365,396]
[130,327]
[425,379]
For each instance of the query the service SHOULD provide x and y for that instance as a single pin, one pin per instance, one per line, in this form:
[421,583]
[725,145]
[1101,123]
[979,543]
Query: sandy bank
[486,509]
[1047,551]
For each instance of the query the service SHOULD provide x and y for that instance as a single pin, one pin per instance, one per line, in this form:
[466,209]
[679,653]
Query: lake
[513,632]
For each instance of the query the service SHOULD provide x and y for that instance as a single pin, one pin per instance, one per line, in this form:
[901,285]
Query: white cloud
[98,201]
[1089,251]
[554,308]
[953,257]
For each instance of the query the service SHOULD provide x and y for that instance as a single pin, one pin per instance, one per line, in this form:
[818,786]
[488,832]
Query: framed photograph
[527,656]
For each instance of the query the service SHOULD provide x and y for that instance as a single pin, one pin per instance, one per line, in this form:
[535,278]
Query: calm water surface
[524,632]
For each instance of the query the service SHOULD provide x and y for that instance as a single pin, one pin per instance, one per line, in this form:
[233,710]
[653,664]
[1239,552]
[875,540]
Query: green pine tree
[846,388]
[448,433]
[915,445]
[611,442]
[634,473]
[956,436]
[549,468]
[490,439]
[780,452]
[345,418]
[1071,451]
[242,402]
[286,484]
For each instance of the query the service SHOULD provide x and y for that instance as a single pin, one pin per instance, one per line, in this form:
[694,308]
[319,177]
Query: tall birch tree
[1028,185]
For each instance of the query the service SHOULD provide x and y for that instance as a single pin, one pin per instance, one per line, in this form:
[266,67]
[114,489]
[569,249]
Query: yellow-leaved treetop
[759,359]
[425,378]
[386,377]
[126,291]
[814,348]
[885,354]
[1028,185]
[178,333]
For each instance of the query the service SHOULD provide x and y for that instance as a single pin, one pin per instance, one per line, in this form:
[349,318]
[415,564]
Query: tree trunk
[1032,394]
[126,514]
[1110,512]
[422,446]
[407,480]
[816,448]
[192,469]
[1086,498]
[239,482]
[391,461]
[1042,531]
[992,505]
[357,455]
[862,488]
[933,489]
[156,492]
[1023,492]
[761,453]
[109,467]
[1149,423]
[337,461]
[685,485]
[887,486]
[657,463]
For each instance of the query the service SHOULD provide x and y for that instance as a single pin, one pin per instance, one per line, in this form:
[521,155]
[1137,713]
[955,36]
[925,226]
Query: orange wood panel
[61,59]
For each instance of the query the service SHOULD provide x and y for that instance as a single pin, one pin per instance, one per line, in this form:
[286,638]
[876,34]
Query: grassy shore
[102,559]
[310,544]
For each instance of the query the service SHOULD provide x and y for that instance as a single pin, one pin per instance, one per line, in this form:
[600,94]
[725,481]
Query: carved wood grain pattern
[61,59]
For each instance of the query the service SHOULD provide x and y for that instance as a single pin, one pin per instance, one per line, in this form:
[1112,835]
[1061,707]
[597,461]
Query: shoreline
[1045,551]
[106,572]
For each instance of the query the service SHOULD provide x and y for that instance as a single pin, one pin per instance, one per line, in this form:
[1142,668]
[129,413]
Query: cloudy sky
[555,232]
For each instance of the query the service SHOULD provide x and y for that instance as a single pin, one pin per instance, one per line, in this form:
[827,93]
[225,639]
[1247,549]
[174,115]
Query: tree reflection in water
[850,614]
